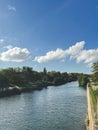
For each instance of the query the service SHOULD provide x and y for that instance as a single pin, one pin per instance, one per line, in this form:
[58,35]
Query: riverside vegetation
[92,99]
[93,85]
[83,80]
[17,80]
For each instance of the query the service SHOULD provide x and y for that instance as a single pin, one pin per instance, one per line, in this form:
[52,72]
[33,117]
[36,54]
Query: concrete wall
[91,113]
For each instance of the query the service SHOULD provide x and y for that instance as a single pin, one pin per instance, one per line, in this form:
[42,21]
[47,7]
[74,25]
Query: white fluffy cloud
[12,8]
[15,54]
[88,56]
[76,52]
[1,41]
[75,49]
[60,53]
[52,55]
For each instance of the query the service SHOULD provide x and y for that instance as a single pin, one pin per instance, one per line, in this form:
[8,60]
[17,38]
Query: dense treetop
[26,75]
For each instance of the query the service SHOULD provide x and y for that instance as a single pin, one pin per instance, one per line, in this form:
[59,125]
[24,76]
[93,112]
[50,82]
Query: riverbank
[16,90]
[10,92]
[92,120]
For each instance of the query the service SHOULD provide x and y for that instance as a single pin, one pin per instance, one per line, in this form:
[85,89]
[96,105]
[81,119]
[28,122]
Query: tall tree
[95,71]
[95,67]
[3,82]
[83,80]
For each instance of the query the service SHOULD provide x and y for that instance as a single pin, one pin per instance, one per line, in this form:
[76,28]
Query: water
[55,108]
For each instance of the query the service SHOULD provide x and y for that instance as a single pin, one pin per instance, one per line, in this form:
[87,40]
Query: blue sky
[60,35]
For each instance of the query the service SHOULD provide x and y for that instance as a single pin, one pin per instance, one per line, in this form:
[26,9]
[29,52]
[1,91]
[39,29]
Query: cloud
[12,8]
[15,54]
[52,55]
[88,56]
[63,60]
[8,47]
[1,41]
[60,53]
[76,52]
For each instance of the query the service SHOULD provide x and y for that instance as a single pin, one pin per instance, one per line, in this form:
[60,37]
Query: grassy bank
[29,87]
[94,99]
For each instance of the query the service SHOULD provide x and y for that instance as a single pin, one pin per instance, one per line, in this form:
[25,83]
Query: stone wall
[91,113]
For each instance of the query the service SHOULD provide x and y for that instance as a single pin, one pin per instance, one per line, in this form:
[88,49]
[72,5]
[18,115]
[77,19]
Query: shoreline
[16,90]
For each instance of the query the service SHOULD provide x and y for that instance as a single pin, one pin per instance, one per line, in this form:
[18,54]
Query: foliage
[95,72]
[28,79]
[94,101]
[3,82]
[83,80]
[96,93]
[95,67]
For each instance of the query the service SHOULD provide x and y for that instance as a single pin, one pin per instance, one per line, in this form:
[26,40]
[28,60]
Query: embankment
[91,118]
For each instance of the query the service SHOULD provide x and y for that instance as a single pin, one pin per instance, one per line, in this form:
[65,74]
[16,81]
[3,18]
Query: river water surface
[55,108]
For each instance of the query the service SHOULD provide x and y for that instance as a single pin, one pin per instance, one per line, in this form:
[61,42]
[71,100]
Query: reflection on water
[55,108]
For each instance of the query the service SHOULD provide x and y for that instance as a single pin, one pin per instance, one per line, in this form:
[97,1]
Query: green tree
[95,67]
[95,72]
[27,73]
[83,80]
[3,82]
[45,71]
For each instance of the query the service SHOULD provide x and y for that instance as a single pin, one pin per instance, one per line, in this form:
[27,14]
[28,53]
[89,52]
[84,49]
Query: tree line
[83,79]
[26,77]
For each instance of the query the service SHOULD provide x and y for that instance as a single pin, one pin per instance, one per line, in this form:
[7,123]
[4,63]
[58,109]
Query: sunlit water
[54,108]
